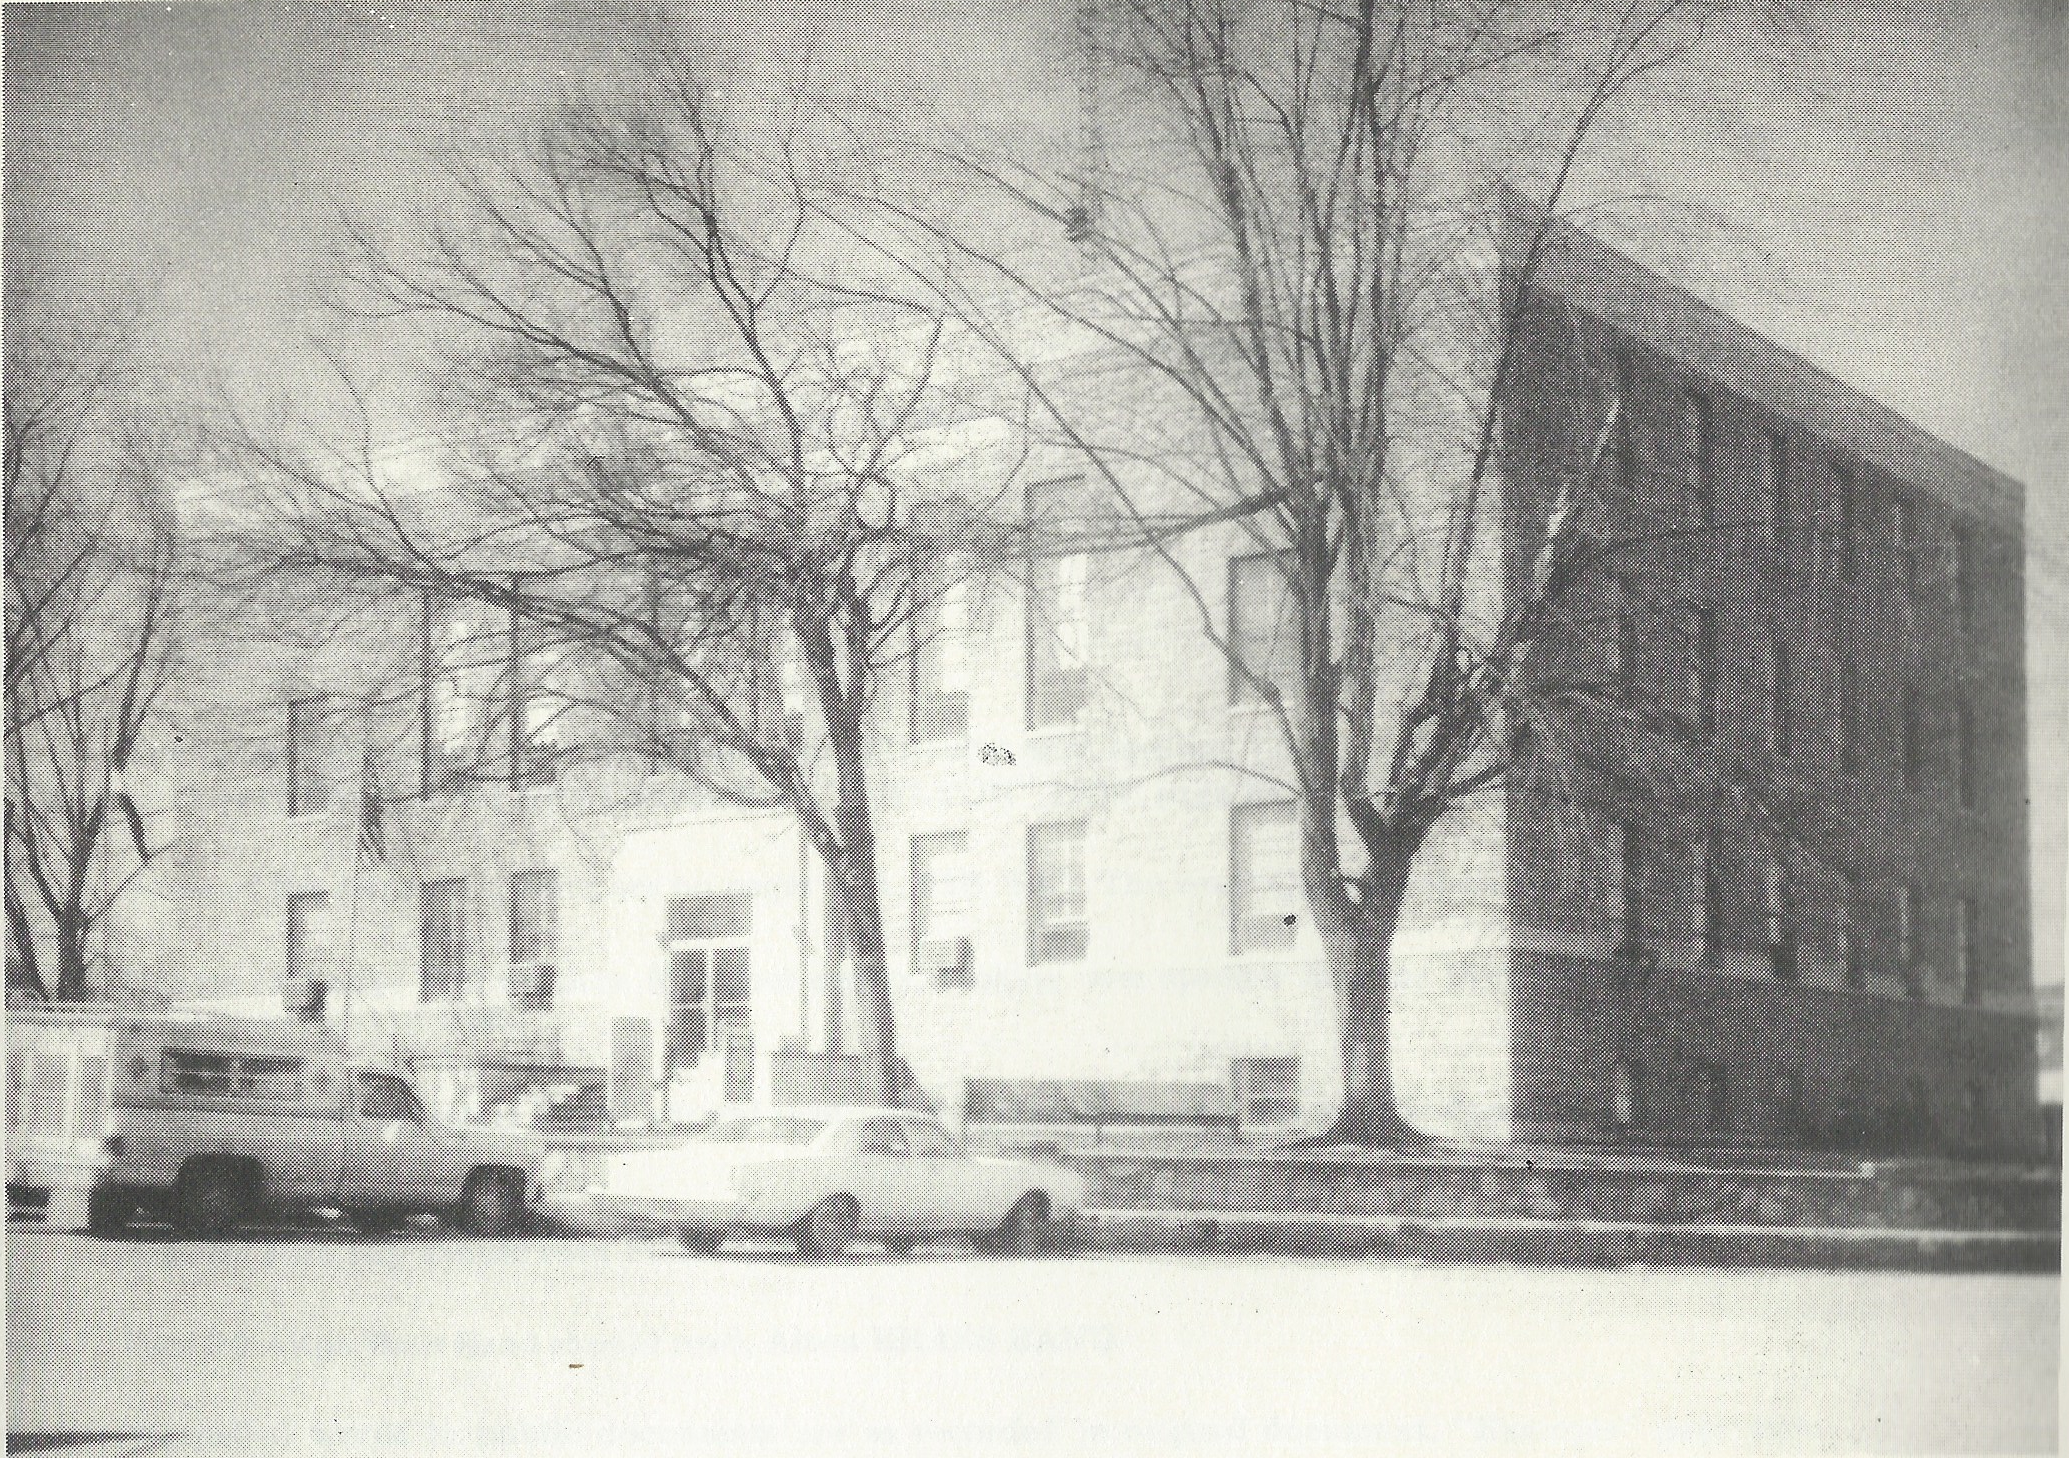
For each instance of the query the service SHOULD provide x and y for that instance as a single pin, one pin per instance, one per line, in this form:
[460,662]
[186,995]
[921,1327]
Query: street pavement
[334,1343]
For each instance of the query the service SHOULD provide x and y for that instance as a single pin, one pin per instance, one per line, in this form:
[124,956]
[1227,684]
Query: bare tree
[691,472]
[1315,236]
[91,585]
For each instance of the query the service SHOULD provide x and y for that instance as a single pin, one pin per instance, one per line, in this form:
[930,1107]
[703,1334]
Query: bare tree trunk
[855,871]
[1359,947]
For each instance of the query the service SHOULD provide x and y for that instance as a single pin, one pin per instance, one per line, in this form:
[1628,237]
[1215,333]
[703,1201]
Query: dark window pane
[729,974]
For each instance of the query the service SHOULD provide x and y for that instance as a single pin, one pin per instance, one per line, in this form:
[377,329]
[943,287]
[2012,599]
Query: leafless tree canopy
[91,584]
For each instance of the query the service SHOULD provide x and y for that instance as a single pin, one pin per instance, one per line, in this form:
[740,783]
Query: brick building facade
[1080,881]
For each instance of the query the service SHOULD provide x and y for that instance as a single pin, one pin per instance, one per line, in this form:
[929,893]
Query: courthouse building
[1077,886]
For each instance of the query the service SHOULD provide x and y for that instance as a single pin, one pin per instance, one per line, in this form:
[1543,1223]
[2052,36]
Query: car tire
[214,1199]
[700,1242]
[829,1229]
[900,1246]
[1026,1231]
[489,1206]
[108,1212]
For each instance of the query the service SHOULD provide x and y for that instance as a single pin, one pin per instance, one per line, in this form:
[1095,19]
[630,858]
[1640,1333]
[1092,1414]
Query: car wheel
[702,1242]
[108,1211]
[489,1206]
[827,1232]
[1027,1230]
[213,1200]
[900,1246]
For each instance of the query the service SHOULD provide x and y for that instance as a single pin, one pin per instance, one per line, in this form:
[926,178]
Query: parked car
[211,1122]
[828,1175]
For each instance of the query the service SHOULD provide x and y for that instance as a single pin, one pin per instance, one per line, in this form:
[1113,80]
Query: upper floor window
[1903,547]
[1783,509]
[1840,520]
[940,664]
[534,937]
[1058,626]
[442,940]
[1781,916]
[1846,717]
[1853,942]
[1265,889]
[1629,847]
[1965,756]
[460,661]
[1705,915]
[1961,569]
[308,756]
[1911,741]
[941,906]
[1056,910]
[1781,702]
[1696,479]
[1263,636]
[539,701]
[1702,670]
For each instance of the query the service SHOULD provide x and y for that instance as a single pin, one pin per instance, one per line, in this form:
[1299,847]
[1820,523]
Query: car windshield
[766,1131]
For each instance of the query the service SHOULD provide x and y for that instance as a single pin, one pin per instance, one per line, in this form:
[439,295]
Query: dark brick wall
[1888,1050]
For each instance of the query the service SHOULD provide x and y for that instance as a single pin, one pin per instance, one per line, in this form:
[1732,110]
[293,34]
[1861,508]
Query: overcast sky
[1897,209]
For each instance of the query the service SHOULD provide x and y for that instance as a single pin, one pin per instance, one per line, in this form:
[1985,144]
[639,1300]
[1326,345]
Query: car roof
[825,1111]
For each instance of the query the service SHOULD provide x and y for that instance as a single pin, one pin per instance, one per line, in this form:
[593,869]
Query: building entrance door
[710,989]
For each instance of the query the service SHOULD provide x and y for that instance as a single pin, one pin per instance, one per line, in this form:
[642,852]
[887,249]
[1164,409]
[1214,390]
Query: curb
[1518,1241]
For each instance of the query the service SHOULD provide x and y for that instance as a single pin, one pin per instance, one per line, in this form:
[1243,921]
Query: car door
[951,1186]
[391,1154]
[883,1177]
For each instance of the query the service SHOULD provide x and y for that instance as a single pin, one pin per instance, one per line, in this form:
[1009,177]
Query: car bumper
[631,1212]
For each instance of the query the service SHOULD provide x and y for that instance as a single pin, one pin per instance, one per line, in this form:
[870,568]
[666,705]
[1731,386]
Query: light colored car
[827,1175]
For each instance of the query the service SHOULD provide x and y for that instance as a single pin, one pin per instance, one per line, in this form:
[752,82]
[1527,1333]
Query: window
[1852,941]
[1903,548]
[1961,571]
[1702,670]
[1056,892]
[308,757]
[230,1075]
[442,954]
[1696,480]
[1965,756]
[1781,493]
[1781,918]
[1704,928]
[1622,471]
[1265,891]
[929,1140]
[1911,746]
[459,660]
[709,987]
[1718,1115]
[538,700]
[1841,518]
[308,953]
[1846,717]
[384,1097]
[1629,846]
[940,665]
[1781,706]
[1058,628]
[1263,636]
[1967,975]
[941,908]
[1910,912]
[534,938]
[1267,1089]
